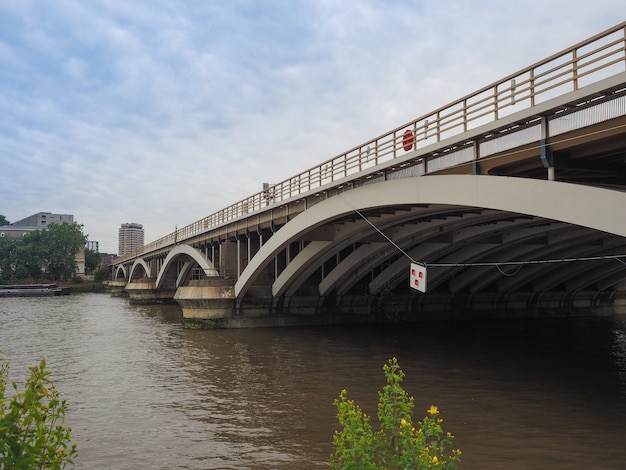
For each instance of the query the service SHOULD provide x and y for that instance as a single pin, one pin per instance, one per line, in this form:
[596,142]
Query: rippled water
[146,394]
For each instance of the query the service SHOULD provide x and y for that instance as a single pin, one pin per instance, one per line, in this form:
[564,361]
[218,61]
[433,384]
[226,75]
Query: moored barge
[32,290]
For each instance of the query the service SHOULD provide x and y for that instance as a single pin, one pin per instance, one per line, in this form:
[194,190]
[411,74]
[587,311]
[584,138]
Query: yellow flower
[435,460]
[403,422]
[433,410]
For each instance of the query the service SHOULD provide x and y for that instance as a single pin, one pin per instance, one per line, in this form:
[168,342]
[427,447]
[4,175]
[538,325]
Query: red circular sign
[408,140]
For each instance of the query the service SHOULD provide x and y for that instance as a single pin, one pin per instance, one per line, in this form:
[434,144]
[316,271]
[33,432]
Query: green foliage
[49,253]
[398,444]
[101,274]
[92,259]
[62,243]
[32,434]
[7,255]
[4,221]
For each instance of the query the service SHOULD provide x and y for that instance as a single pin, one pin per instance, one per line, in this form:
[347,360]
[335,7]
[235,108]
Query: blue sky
[162,112]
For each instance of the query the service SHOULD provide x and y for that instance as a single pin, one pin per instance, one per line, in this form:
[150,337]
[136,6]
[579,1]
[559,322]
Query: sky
[161,112]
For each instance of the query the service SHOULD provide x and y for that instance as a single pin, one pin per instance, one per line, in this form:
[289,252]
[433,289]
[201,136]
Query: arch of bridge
[139,262]
[190,252]
[119,268]
[592,207]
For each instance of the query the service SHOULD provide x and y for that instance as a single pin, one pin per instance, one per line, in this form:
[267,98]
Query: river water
[144,393]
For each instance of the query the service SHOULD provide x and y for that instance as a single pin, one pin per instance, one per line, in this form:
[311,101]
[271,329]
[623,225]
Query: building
[93,246]
[13,231]
[106,259]
[130,238]
[43,219]
[38,221]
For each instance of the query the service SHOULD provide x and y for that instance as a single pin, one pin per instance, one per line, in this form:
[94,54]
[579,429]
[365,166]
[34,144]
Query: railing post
[464,115]
[532,87]
[495,102]
[624,32]
[513,86]
[575,69]
[376,153]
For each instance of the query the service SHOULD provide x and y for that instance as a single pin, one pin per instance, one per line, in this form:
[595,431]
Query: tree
[49,253]
[92,259]
[32,434]
[61,242]
[7,258]
[101,274]
[398,444]
[4,221]
[30,256]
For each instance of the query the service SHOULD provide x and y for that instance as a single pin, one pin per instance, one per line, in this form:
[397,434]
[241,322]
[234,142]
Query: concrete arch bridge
[512,197]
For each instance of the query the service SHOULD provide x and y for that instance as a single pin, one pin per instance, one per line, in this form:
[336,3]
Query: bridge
[510,200]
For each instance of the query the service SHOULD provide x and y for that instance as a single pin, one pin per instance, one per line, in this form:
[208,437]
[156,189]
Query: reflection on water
[144,393]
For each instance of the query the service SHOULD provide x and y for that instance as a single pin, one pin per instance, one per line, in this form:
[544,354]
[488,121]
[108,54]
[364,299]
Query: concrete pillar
[229,259]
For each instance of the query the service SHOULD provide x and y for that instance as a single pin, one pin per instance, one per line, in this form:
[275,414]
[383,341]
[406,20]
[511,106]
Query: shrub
[398,444]
[32,434]
[101,274]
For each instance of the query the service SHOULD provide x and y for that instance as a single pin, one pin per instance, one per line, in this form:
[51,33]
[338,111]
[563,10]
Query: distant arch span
[120,267]
[142,263]
[188,251]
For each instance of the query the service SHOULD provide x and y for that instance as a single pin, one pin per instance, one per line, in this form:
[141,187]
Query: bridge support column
[145,292]
[117,288]
[206,307]
[229,258]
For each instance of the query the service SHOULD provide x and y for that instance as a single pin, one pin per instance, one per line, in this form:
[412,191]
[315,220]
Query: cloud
[163,112]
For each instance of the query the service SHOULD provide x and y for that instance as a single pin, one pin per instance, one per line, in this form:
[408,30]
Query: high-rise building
[93,246]
[130,238]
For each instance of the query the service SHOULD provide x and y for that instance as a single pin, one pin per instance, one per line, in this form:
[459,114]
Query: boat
[33,290]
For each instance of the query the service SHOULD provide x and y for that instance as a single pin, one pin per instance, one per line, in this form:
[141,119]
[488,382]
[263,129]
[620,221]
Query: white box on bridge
[417,277]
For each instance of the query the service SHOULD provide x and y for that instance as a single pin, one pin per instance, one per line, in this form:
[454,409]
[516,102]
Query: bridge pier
[117,288]
[145,292]
[206,304]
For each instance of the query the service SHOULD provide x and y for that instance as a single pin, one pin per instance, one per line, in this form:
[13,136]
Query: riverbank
[87,286]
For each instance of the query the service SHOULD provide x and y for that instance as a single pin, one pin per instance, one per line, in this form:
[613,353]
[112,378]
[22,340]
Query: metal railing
[587,62]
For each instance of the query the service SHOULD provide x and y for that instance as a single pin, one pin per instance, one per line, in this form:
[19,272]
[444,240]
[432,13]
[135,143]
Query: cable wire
[522,263]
